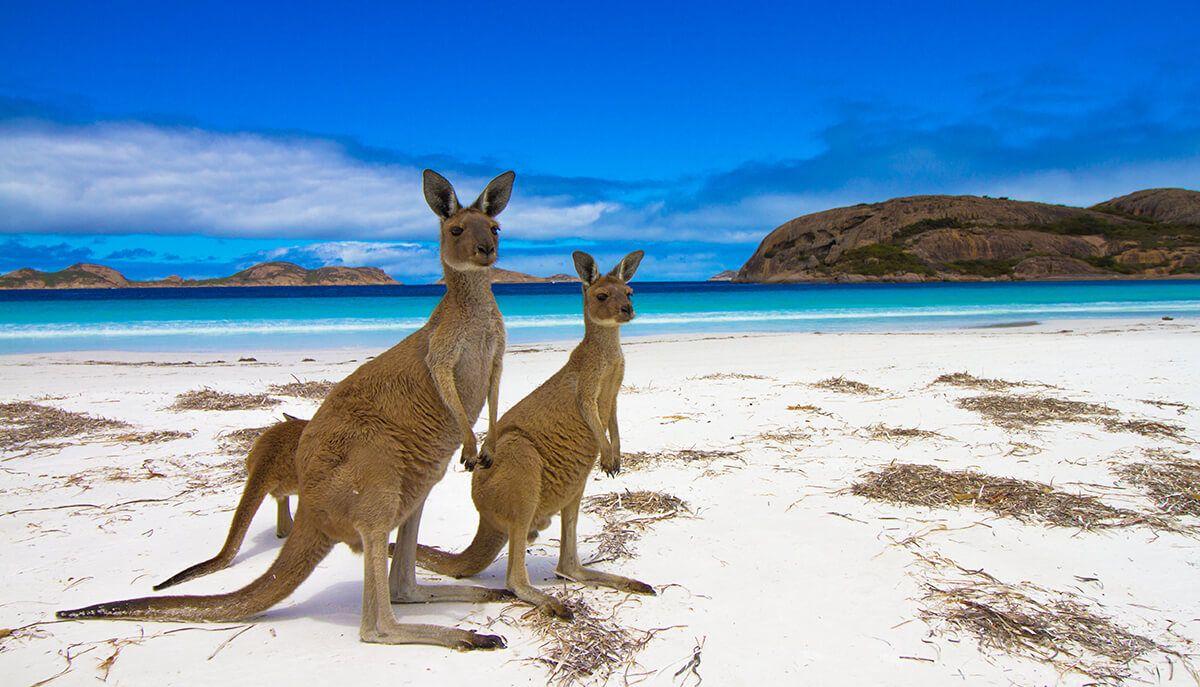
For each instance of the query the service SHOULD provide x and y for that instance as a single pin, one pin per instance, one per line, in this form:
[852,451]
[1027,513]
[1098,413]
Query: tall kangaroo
[380,441]
[270,469]
[545,447]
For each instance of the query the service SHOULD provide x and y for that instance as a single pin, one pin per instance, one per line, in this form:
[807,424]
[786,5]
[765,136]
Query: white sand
[781,574]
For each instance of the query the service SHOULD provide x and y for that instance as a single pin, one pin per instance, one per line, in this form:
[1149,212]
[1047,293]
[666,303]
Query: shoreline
[1083,324]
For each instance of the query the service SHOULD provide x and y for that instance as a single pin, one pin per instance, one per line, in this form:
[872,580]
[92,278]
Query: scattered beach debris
[847,386]
[926,485]
[1020,411]
[155,437]
[969,381]
[900,435]
[316,390]
[1146,428]
[1180,408]
[1028,621]
[1171,481]
[807,408]
[644,460]
[240,440]
[724,376]
[643,502]
[1021,449]
[621,529]
[30,426]
[785,436]
[672,419]
[211,399]
[1027,411]
[588,650]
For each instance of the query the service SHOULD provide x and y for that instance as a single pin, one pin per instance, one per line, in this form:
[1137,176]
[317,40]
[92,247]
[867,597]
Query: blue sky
[197,138]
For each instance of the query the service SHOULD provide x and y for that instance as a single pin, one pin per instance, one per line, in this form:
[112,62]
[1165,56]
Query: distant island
[1151,234]
[503,276]
[88,276]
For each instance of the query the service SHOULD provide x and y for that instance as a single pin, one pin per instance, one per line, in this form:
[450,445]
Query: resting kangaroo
[380,441]
[545,447]
[270,469]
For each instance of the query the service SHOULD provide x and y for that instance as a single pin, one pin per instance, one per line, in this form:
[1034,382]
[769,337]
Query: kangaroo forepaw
[485,458]
[470,457]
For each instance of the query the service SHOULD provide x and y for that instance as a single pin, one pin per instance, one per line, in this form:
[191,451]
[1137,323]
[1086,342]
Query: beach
[854,507]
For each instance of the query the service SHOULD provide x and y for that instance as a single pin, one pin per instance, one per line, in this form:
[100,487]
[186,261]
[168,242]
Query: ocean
[248,319]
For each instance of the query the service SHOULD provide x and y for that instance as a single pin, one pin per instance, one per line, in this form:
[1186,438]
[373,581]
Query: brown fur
[380,441]
[270,469]
[545,447]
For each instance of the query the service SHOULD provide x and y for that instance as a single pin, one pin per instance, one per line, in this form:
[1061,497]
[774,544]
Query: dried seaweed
[29,425]
[847,386]
[240,440]
[722,376]
[969,381]
[621,530]
[155,437]
[590,649]
[902,435]
[211,399]
[1146,428]
[1057,628]
[925,485]
[1018,411]
[644,460]
[1173,483]
[316,390]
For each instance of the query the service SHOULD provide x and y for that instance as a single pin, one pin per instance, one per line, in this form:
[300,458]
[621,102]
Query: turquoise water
[245,319]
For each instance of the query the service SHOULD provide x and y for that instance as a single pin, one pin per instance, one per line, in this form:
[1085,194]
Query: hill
[89,276]
[1175,205]
[923,238]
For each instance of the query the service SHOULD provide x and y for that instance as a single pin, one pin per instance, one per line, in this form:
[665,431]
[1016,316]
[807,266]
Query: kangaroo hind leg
[283,519]
[570,568]
[402,580]
[379,624]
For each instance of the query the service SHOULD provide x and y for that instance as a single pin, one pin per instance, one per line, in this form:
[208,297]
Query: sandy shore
[777,569]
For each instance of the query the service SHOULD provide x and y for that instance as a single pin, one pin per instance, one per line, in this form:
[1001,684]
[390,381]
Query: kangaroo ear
[585,265]
[439,194]
[495,197]
[290,418]
[628,265]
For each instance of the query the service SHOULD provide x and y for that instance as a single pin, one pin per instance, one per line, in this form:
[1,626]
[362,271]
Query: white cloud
[406,259]
[126,178]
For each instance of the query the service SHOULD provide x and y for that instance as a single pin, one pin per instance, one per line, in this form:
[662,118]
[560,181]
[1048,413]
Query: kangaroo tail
[299,557]
[252,498]
[483,550]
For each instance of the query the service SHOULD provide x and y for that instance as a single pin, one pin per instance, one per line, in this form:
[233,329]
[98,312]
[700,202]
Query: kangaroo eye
[602,296]
[457,231]
[495,231]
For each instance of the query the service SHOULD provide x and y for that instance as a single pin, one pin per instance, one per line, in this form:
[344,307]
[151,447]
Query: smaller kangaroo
[270,469]
[545,446]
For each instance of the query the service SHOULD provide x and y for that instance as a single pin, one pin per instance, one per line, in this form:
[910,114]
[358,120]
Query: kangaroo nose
[627,309]
[485,249]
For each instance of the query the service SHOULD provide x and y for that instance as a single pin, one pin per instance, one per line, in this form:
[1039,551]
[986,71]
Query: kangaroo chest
[473,372]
